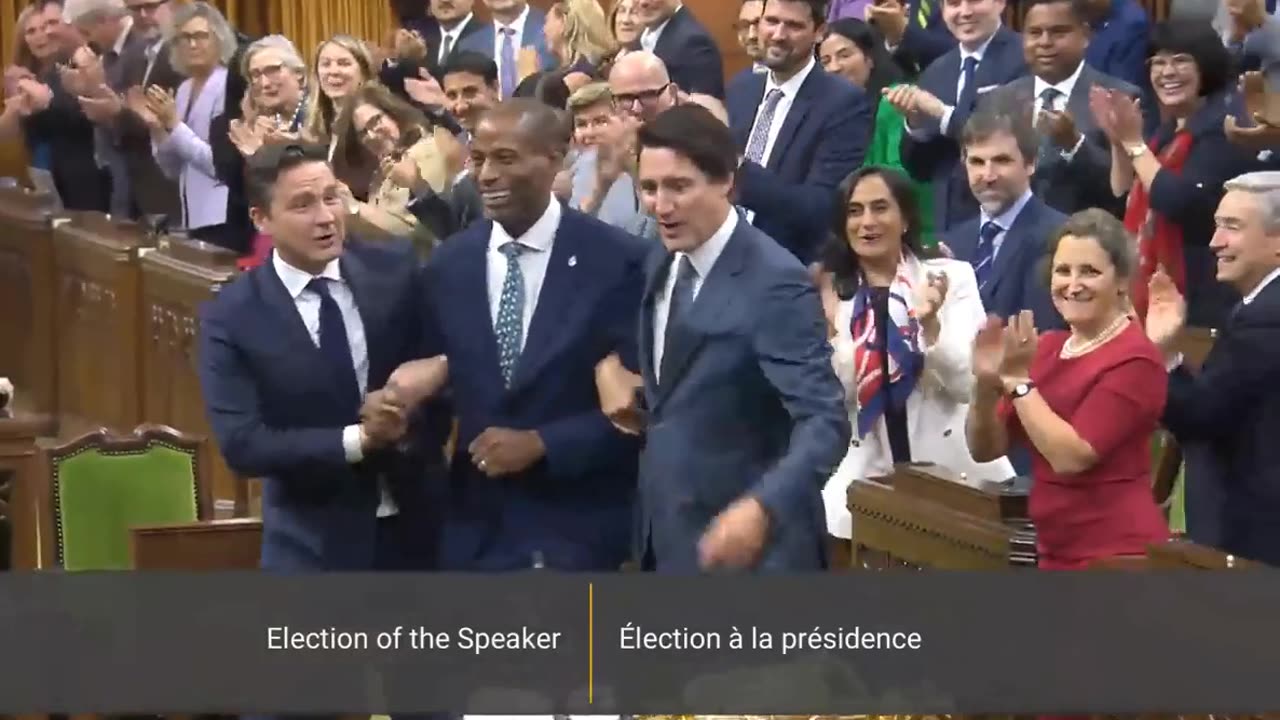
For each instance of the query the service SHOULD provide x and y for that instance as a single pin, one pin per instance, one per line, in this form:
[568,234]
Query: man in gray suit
[146,64]
[1074,158]
[745,416]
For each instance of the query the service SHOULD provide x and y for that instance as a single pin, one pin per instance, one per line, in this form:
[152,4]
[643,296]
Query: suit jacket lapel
[368,304]
[657,266]
[555,305]
[1012,246]
[800,105]
[471,288]
[742,131]
[717,292]
[1078,103]
[285,311]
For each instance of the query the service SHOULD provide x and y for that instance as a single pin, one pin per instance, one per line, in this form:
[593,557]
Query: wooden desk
[19,516]
[27,355]
[97,311]
[922,517]
[177,278]
[208,545]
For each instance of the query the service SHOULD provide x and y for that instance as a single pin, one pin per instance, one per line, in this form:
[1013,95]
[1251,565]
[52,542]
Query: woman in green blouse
[855,51]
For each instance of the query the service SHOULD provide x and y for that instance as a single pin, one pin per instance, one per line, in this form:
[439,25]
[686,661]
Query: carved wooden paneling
[98,328]
[26,295]
[176,279]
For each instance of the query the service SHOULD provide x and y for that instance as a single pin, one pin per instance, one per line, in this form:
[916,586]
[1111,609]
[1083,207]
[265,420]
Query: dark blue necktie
[681,299]
[335,347]
[969,91]
[984,259]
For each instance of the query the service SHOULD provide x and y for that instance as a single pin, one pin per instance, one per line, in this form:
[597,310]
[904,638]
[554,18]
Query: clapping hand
[736,537]
[420,379]
[988,353]
[1166,310]
[424,90]
[928,301]
[617,388]
[1020,341]
[1261,129]
[162,104]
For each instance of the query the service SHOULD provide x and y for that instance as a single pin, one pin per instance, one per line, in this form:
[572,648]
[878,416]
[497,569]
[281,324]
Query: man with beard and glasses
[800,130]
[525,304]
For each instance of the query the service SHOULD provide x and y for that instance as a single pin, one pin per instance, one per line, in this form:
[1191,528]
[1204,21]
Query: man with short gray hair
[1226,418]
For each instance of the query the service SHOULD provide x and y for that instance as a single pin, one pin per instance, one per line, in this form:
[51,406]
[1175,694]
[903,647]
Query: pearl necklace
[1071,349]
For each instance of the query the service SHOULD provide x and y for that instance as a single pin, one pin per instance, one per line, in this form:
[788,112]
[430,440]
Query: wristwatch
[1022,390]
[1135,150]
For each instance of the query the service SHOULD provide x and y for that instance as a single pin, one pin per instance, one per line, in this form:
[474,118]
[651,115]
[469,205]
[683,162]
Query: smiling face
[276,87]
[972,21]
[1085,287]
[998,173]
[43,31]
[305,218]
[1176,79]
[450,12]
[467,96]
[748,28]
[626,22]
[874,225]
[1247,252]
[514,176]
[377,131]
[840,56]
[339,71]
[788,35]
[589,122]
[1053,41]
[688,205]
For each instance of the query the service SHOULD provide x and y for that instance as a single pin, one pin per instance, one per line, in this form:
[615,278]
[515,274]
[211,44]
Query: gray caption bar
[540,643]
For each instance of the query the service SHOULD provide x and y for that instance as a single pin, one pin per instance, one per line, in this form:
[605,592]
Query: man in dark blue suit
[516,27]
[1006,243]
[801,131]
[288,353]
[1226,418]
[745,416]
[684,45]
[525,304]
[936,108]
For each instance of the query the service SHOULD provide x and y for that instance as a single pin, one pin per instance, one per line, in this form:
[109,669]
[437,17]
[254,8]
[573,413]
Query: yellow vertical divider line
[591,642]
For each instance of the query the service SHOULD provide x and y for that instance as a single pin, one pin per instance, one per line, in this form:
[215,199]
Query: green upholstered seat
[102,489]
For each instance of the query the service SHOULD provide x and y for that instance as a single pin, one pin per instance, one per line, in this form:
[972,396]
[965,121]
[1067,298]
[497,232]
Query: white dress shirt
[1254,293]
[517,39]
[1064,88]
[947,111]
[649,36]
[449,38]
[1005,220]
[307,302]
[704,259]
[537,242]
[789,90]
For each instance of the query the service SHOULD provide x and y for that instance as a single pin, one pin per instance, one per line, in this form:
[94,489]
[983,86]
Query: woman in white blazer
[902,322]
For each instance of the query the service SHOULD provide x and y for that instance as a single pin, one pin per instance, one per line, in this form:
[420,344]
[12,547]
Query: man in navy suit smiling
[524,304]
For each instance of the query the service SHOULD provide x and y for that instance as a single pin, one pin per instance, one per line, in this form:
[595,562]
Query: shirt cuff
[1173,363]
[1069,154]
[351,445]
[945,122]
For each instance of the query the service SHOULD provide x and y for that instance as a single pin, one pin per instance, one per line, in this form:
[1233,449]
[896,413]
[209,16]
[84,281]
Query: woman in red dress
[1085,401]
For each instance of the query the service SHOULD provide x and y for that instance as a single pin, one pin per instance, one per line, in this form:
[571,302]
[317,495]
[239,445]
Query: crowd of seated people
[905,232]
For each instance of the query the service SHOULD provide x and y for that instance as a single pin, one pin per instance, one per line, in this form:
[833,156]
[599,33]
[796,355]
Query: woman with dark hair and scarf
[855,51]
[901,320]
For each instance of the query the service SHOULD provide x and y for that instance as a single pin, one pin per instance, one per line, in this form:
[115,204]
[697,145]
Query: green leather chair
[102,485]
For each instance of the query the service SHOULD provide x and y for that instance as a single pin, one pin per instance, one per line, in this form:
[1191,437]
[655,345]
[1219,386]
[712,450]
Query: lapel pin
[573,260]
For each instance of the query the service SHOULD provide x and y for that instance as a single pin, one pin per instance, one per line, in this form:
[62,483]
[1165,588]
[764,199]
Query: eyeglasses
[200,37]
[270,72]
[1180,62]
[644,96]
[147,7]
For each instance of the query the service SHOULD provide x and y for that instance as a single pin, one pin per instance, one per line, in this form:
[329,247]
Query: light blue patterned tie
[984,259]
[508,62]
[1048,153]
[510,326]
[760,134]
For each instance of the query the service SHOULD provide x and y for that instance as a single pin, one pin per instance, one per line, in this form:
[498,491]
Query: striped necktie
[984,259]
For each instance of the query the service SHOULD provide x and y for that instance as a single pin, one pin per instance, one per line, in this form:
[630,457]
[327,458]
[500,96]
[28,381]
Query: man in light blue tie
[516,29]
[524,304]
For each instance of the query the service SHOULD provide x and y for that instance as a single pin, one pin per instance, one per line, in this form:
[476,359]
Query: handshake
[384,417]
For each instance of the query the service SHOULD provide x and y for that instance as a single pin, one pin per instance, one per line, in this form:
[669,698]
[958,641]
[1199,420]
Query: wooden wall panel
[27,353]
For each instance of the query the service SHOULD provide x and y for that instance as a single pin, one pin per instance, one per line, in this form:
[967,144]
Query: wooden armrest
[231,544]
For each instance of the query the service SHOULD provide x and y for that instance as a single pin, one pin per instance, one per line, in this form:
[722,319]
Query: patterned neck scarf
[880,386]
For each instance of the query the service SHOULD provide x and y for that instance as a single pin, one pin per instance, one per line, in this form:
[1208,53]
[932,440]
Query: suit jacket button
[946,433]
[854,443]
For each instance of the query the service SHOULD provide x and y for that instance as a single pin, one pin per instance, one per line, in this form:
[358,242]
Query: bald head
[532,122]
[641,86]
